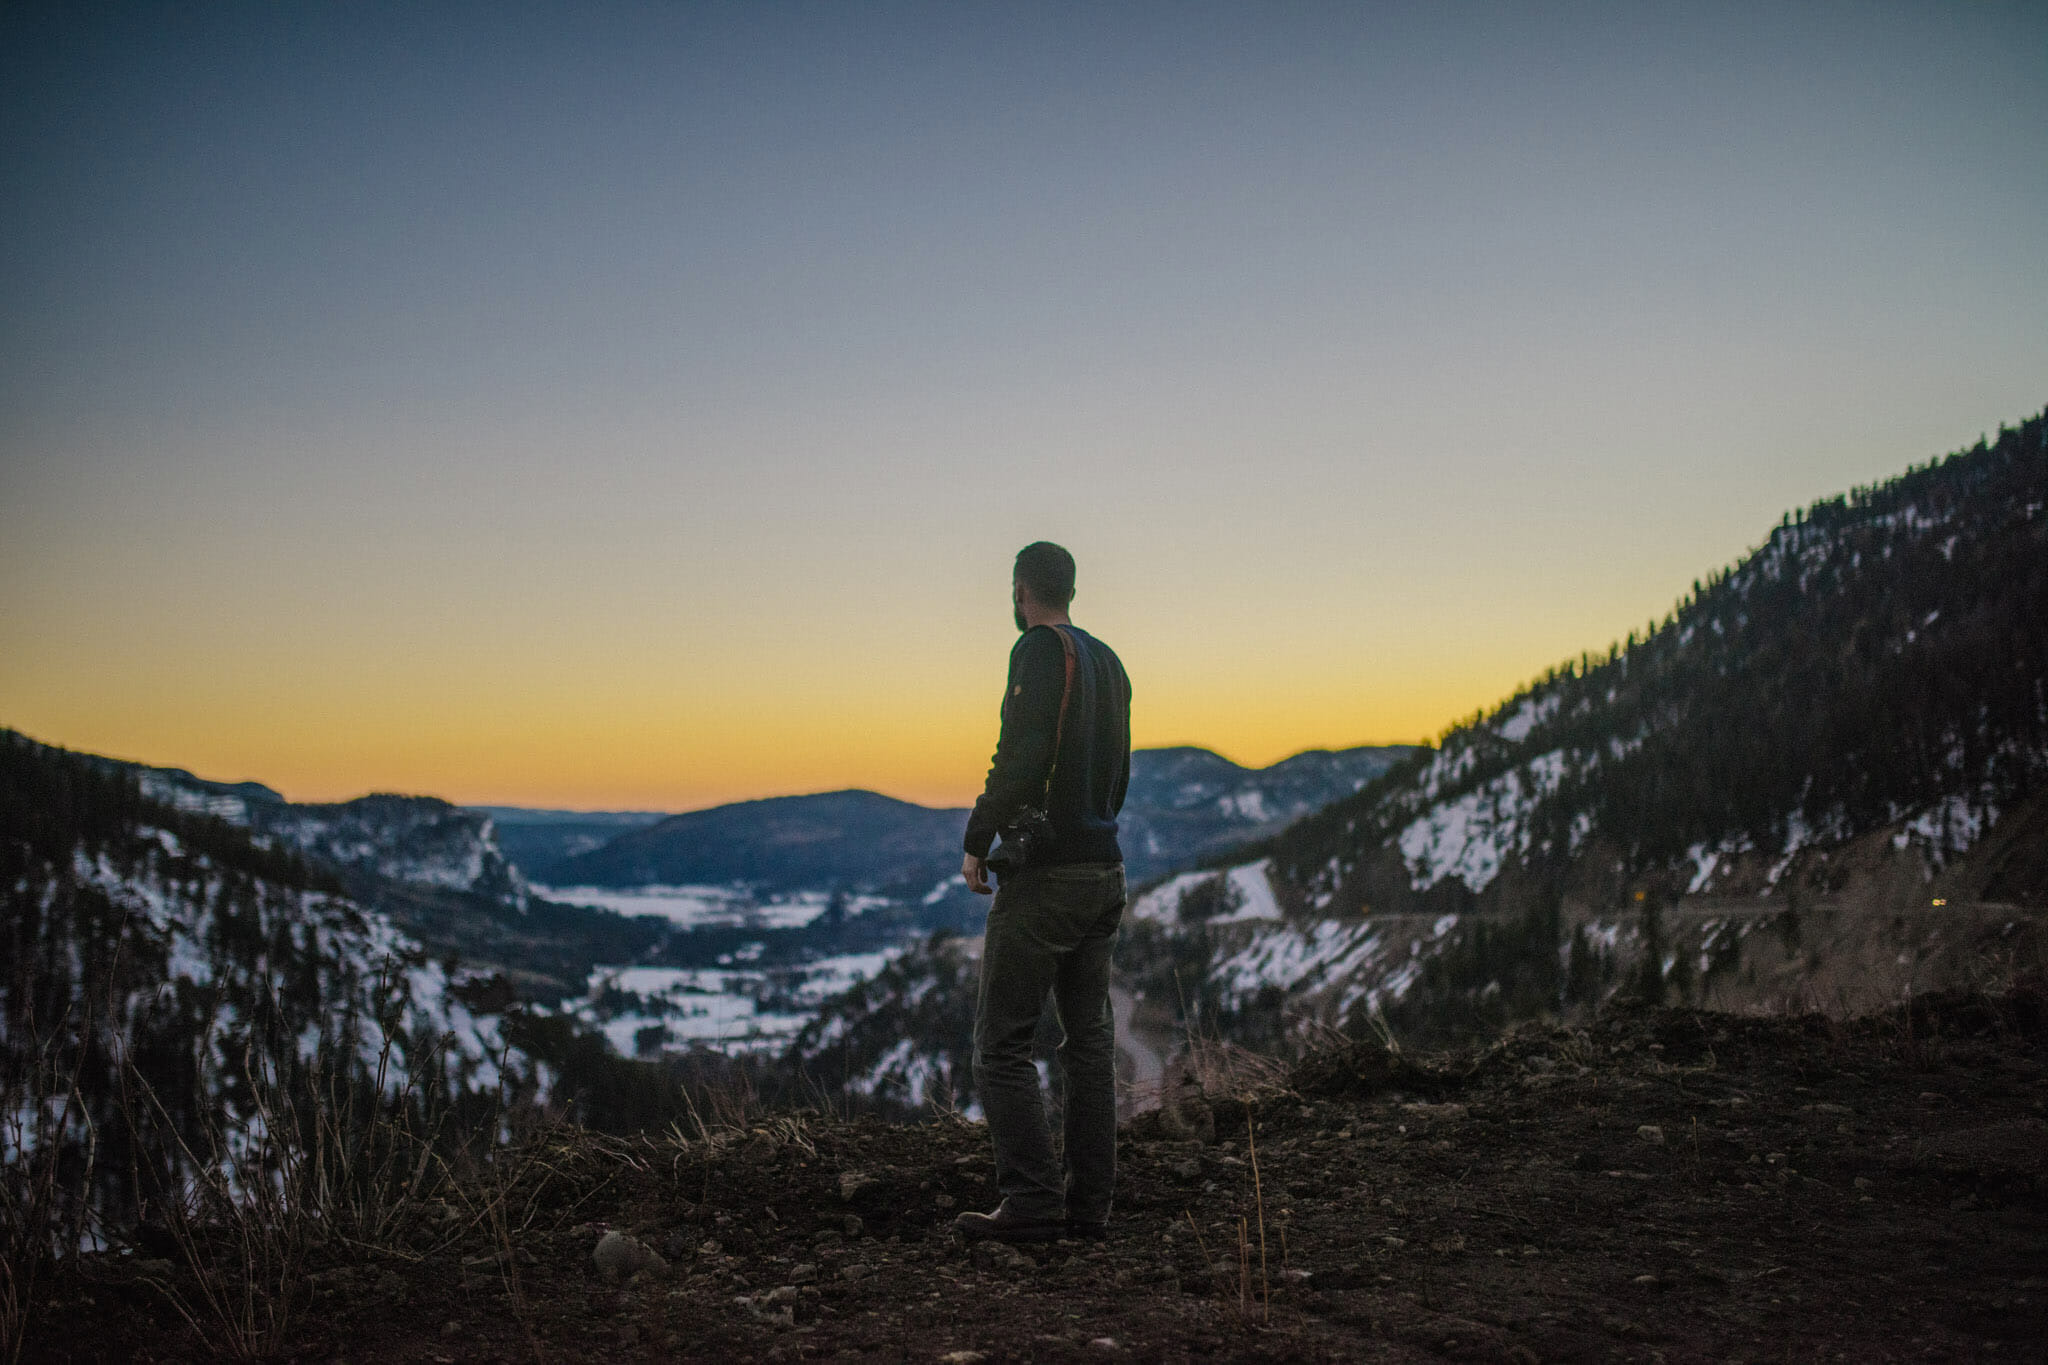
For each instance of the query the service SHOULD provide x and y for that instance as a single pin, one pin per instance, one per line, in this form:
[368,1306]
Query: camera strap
[1059,728]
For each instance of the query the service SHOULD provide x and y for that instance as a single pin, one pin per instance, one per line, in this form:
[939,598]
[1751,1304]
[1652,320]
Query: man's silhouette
[1053,793]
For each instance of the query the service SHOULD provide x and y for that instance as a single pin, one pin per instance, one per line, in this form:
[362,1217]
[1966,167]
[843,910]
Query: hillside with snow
[164,959]
[1186,804]
[1850,725]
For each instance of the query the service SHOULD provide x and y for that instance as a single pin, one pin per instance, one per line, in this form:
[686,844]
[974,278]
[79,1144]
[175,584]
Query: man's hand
[975,870]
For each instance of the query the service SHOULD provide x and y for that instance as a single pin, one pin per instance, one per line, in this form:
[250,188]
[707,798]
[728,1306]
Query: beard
[1017,615]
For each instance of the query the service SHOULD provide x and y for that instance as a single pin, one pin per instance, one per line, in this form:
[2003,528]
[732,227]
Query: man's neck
[1039,616]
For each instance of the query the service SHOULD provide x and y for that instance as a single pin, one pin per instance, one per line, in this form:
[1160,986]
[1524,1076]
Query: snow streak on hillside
[418,840]
[1854,710]
[374,988]
[1881,661]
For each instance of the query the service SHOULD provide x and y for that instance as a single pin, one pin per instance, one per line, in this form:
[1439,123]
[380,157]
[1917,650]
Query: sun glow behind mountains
[640,407]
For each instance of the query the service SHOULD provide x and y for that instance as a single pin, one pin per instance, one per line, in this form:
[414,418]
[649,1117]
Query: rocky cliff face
[412,839]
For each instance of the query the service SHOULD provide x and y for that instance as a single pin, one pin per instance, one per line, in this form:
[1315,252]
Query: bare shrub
[49,1147]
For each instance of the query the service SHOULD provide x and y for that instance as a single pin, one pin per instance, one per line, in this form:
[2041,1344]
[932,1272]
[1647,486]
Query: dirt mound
[1663,1183]
[1364,1068]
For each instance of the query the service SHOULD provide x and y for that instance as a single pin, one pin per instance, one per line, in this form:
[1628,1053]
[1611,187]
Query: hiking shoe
[1004,1226]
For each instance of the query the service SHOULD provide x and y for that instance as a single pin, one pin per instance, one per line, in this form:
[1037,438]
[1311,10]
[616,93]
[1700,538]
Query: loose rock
[620,1254]
[1000,1256]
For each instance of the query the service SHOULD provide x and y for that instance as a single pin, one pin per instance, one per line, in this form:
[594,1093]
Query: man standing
[1058,780]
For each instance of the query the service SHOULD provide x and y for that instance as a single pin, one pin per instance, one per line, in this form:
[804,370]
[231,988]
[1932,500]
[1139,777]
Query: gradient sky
[640,405]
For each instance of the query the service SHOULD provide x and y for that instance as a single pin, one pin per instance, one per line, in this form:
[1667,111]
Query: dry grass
[1224,1068]
[44,1212]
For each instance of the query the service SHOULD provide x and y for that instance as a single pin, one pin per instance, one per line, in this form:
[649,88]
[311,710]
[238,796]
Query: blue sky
[540,402]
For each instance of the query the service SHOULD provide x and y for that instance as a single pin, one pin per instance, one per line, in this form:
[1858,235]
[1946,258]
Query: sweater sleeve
[1024,752]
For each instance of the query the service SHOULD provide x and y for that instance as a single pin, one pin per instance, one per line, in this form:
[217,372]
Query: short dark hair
[1047,573]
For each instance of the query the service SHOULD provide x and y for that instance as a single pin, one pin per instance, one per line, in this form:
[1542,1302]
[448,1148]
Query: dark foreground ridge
[1665,1184]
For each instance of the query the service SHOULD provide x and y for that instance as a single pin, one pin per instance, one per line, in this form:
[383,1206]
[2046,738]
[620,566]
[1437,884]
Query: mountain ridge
[1183,802]
[1850,720]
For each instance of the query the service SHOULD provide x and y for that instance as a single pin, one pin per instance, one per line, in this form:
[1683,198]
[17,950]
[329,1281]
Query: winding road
[1148,1068]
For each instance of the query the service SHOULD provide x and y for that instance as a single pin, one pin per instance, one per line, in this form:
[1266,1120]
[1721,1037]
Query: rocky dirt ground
[1662,1185]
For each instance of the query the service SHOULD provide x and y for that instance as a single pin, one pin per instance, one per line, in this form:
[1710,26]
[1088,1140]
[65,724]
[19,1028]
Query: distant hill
[850,840]
[1183,804]
[1186,804]
[435,869]
[541,838]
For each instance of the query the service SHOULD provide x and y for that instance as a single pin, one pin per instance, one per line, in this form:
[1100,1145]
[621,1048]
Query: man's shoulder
[1094,644]
[1039,640]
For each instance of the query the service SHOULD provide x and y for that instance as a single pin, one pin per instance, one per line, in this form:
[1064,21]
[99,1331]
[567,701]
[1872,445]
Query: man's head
[1045,575]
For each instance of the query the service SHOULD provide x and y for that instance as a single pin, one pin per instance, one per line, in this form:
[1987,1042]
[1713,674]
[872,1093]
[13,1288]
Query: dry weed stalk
[45,1211]
[1259,1196]
[1244,1270]
[322,1159]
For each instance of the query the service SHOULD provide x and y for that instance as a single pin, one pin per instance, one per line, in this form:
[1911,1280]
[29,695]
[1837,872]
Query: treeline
[1883,651]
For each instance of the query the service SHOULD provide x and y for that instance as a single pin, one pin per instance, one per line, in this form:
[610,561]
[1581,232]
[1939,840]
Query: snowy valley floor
[1664,1185]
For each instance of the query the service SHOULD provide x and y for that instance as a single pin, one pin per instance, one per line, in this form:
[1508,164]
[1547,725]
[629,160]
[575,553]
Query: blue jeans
[1051,931]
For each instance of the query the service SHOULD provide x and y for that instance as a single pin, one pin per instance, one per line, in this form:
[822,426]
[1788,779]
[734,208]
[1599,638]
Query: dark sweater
[1094,766]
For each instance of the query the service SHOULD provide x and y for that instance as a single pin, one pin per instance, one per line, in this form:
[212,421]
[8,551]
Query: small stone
[807,1273]
[451,1328]
[1102,1344]
[943,1201]
[1000,1256]
[781,1293]
[963,1358]
[1189,1169]
[620,1255]
[1651,1134]
[853,1227]
[855,1271]
[1863,1182]
[853,1183]
[710,1246]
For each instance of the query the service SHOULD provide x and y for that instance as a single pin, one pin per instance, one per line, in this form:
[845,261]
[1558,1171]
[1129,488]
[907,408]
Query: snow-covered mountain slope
[1185,803]
[1880,663]
[1853,721]
[414,839]
[142,935]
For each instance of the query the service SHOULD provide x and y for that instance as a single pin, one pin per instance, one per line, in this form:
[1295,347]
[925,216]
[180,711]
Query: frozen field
[697,907]
[732,1009]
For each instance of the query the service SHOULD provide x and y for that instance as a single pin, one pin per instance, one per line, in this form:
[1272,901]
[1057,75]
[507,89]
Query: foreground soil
[1662,1185]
